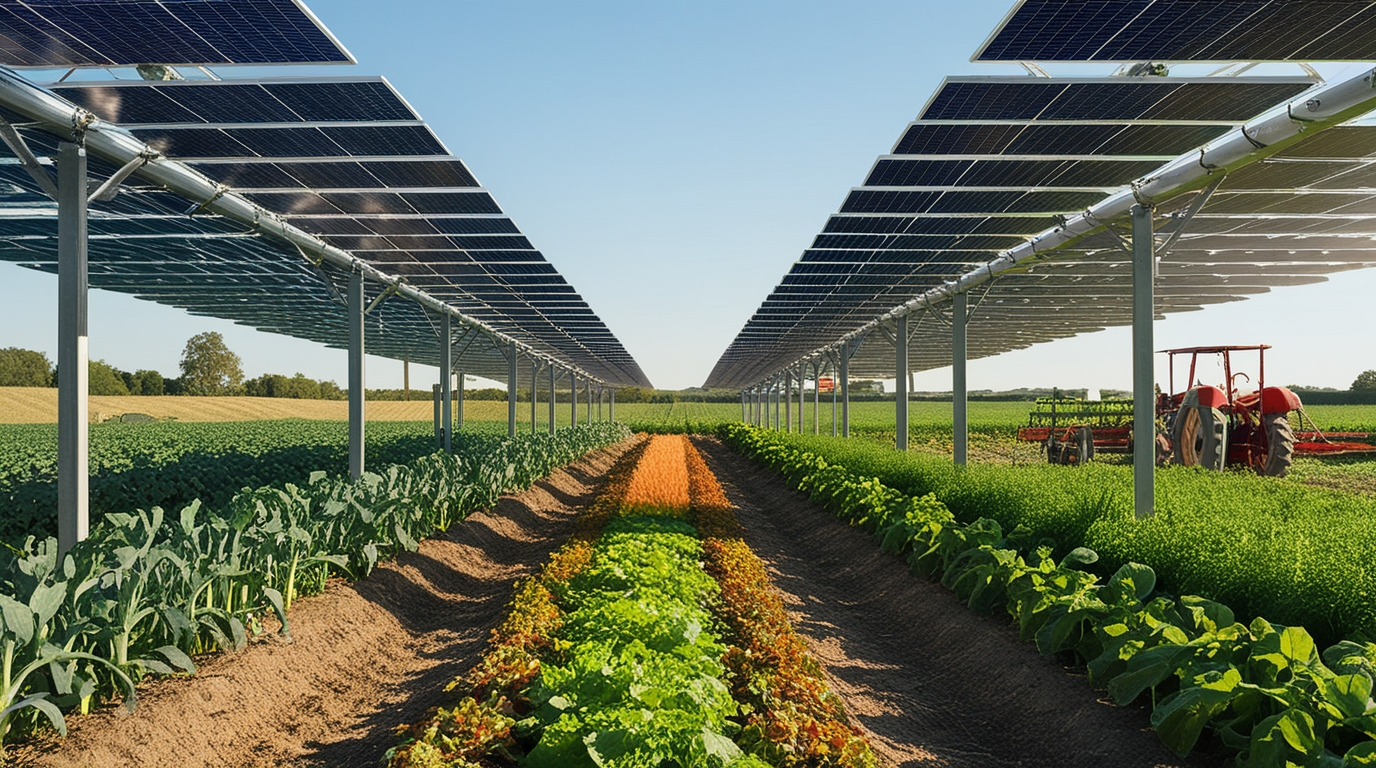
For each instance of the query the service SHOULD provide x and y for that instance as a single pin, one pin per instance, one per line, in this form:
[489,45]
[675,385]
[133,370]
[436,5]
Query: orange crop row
[480,723]
[660,483]
[796,720]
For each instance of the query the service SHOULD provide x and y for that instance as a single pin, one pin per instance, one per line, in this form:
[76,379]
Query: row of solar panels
[345,159]
[993,162]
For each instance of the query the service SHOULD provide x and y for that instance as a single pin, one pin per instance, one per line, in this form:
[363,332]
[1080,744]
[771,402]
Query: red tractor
[1217,426]
[1203,426]
[1214,426]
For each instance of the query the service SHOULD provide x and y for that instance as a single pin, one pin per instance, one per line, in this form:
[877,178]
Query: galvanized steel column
[787,401]
[553,374]
[511,390]
[959,403]
[356,377]
[900,385]
[845,389]
[447,381]
[611,406]
[833,397]
[534,389]
[777,393]
[816,397]
[458,422]
[573,398]
[73,407]
[742,405]
[587,388]
[1143,371]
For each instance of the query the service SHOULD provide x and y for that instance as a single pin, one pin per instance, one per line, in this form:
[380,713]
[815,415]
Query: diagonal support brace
[20,148]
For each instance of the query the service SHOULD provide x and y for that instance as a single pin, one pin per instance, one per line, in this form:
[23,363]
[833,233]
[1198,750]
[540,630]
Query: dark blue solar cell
[193,142]
[489,243]
[506,256]
[249,175]
[423,173]
[286,142]
[1050,139]
[451,202]
[224,102]
[368,202]
[386,140]
[61,33]
[342,101]
[126,104]
[1186,30]
[292,203]
[464,225]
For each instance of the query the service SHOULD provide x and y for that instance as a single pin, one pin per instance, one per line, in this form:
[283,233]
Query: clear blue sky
[672,159]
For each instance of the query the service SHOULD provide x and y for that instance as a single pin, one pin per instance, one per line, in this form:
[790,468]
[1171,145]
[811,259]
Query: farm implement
[1203,425]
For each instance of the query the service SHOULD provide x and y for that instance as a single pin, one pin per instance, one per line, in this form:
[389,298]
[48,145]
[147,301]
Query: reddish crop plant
[479,725]
[796,720]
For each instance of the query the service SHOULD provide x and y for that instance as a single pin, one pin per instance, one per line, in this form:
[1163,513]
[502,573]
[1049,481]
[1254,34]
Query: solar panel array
[1185,30]
[991,162]
[103,33]
[345,159]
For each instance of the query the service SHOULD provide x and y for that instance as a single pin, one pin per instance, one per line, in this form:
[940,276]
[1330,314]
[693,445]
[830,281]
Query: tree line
[207,367]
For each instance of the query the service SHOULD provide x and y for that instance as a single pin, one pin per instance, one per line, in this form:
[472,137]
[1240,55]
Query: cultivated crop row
[139,466]
[652,637]
[147,591]
[1266,547]
[1262,689]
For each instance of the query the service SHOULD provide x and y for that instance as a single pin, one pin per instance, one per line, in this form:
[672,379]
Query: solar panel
[105,33]
[1184,30]
[992,162]
[1109,98]
[343,158]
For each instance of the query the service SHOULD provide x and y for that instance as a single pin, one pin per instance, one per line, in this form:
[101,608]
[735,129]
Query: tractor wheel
[1280,444]
[1199,437]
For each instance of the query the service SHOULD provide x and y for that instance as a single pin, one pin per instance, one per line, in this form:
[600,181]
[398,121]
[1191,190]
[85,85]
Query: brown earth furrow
[365,658]
[934,683]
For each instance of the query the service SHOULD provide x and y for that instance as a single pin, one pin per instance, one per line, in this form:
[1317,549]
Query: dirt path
[366,657]
[934,682]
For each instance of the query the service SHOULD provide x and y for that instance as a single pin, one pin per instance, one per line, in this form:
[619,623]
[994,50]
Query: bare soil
[935,683]
[366,657]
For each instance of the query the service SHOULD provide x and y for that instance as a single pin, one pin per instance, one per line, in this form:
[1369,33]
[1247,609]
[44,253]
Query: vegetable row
[1262,690]
[147,591]
[139,466]
[1264,546]
[653,637]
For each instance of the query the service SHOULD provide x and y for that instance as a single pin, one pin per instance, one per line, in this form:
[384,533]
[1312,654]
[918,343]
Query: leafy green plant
[144,593]
[1262,689]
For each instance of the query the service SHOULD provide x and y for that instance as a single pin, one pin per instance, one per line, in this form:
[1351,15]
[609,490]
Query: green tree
[105,379]
[150,383]
[208,367]
[24,368]
[1366,382]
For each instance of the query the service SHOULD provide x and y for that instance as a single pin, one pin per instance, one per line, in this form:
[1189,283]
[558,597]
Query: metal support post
[553,396]
[511,362]
[573,398]
[900,384]
[788,400]
[959,403]
[833,397]
[356,378]
[844,382]
[447,381]
[742,405]
[73,407]
[534,392]
[1143,372]
[587,391]
[436,397]
[611,405]
[816,397]
[458,422]
[778,397]
[601,395]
